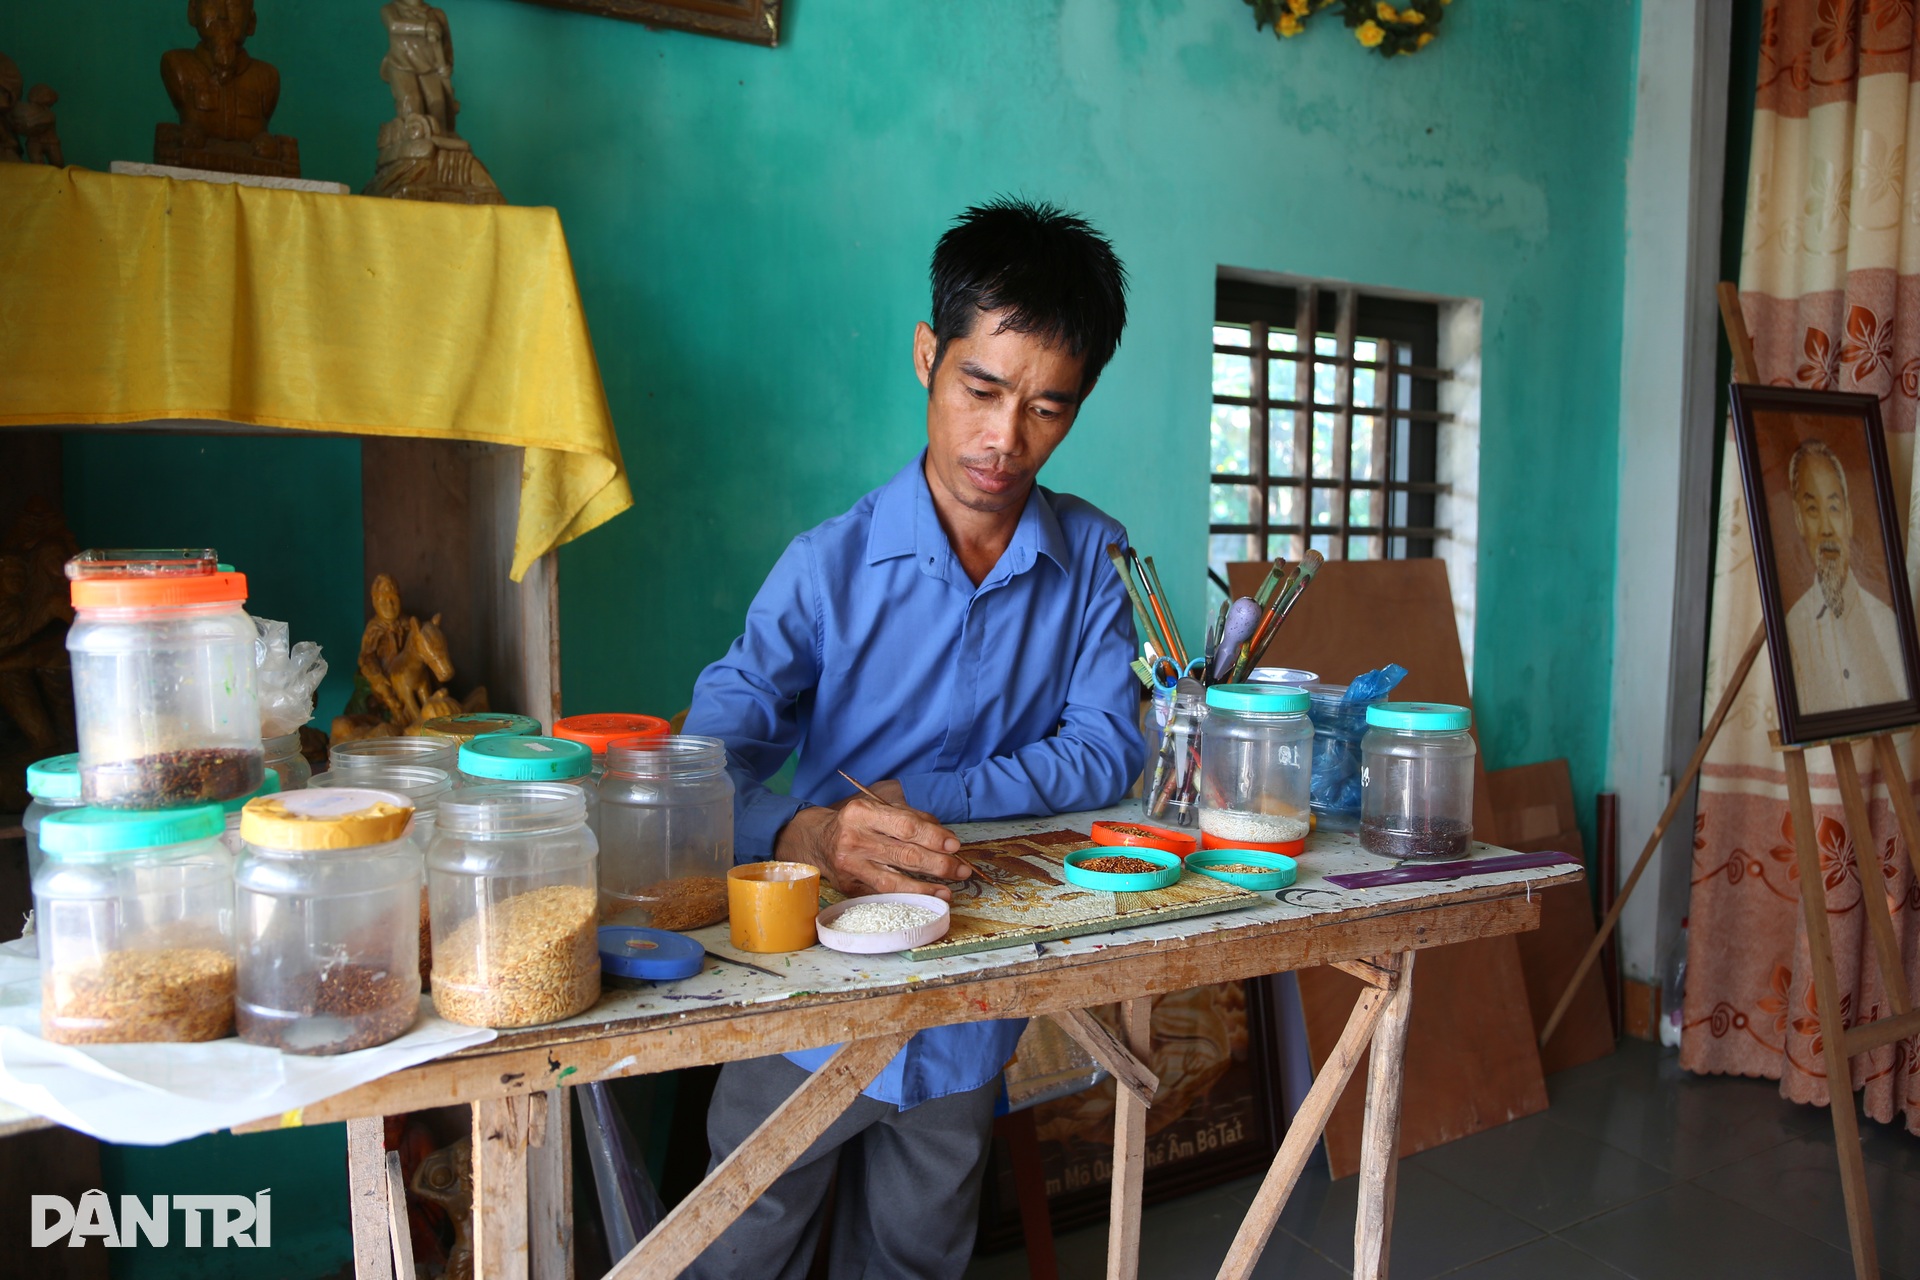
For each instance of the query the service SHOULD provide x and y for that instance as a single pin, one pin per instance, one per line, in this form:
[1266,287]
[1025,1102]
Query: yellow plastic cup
[771,905]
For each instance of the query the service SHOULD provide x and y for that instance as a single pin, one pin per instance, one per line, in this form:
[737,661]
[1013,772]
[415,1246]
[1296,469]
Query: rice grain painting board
[1019,895]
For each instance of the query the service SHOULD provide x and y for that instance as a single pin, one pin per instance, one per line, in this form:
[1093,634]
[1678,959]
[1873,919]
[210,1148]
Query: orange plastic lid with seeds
[1136,835]
[140,592]
[600,729]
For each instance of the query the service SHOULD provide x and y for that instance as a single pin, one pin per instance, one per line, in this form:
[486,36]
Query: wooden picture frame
[1227,1129]
[749,21]
[1827,548]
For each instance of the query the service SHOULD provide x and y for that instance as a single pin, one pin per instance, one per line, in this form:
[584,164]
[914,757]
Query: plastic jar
[500,757]
[1338,728]
[269,785]
[600,730]
[53,784]
[472,724]
[327,907]
[359,754]
[666,832]
[1256,759]
[1416,782]
[163,692]
[424,789]
[282,755]
[511,878]
[133,912]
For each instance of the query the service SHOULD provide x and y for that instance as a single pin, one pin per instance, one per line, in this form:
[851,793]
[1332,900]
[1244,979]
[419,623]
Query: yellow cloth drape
[127,299]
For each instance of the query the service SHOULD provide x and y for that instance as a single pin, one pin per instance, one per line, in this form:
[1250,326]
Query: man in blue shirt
[959,641]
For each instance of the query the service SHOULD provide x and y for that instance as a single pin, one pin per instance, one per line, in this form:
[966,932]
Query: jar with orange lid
[163,680]
[601,730]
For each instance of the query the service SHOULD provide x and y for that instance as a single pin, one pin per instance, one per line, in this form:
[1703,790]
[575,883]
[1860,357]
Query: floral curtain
[1830,286]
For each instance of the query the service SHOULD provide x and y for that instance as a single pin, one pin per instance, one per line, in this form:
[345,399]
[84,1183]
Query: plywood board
[1019,895]
[1471,1061]
[1533,805]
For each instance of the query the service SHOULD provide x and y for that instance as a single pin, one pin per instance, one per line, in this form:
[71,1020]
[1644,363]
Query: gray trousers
[909,1191]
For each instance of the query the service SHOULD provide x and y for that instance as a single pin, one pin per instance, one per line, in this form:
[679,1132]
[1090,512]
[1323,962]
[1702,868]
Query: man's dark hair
[1049,270]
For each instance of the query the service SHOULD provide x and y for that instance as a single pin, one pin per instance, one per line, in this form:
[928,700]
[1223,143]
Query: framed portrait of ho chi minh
[751,21]
[1827,545]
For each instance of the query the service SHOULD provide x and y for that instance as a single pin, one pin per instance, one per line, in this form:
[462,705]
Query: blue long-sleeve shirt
[869,649]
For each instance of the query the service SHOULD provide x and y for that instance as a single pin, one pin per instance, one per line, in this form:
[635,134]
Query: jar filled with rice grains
[134,917]
[513,891]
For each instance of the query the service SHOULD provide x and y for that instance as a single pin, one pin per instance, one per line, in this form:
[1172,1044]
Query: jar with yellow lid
[327,900]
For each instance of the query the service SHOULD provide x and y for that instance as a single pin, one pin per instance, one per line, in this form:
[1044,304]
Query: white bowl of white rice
[882,922]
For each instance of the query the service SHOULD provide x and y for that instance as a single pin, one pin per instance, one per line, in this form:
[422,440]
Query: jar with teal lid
[1256,767]
[269,786]
[472,724]
[53,784]
[133,914]
[502,757]
[1416,780]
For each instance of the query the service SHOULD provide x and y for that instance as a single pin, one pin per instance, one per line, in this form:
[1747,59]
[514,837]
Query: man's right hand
[862,847]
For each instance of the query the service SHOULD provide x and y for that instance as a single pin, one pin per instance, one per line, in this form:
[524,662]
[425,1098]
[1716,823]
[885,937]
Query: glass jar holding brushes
[1238,636]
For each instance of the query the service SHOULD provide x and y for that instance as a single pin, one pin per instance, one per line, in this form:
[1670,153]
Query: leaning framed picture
[1827,545]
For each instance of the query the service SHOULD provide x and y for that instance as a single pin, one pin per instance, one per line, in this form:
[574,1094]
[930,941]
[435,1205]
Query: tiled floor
[1637,1169]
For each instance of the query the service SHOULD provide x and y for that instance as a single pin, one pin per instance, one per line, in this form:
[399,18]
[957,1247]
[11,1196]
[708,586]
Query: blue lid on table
[1263,699]
[653,954]
[1420,717]
[508,758]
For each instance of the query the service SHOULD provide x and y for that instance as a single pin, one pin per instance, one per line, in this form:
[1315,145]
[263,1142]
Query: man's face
[998,406]
[1825,521]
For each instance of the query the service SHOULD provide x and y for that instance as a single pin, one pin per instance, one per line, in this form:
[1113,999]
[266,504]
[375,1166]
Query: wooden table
[871,1005]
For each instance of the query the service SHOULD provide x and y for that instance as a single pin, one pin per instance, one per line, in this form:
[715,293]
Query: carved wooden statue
[422,157]
[404,669]
[27,129]
[225,98]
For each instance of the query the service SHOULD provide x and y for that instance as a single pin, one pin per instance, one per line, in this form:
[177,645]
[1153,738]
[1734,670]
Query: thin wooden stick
[1380,1132]
[1303,1135]
[1738,340]
[1680,790]
[1833,1031]
[750,1169]
[1131,1074]
[1129,1153]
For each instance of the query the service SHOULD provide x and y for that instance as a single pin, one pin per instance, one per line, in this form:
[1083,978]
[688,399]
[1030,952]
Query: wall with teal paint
[750,228]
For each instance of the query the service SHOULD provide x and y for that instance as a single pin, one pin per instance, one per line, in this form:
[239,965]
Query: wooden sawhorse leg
[522,1187]
[750,1169]
[1381,1016]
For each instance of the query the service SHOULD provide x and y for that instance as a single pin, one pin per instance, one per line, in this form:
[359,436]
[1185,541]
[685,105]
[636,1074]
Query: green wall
[750,228]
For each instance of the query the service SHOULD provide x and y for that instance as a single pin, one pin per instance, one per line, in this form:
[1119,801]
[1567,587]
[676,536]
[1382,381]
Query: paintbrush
[1167,632]
[1296,585]
[1173,625]
[863,789]
[1269,585]
[1141,614]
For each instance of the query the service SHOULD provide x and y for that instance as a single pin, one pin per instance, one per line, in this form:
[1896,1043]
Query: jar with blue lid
[1416,780]
[53,784]
[502,757]
[1256,762]
[133,914]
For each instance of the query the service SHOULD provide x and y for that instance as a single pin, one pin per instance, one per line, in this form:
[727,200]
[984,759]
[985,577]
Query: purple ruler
[1415,872]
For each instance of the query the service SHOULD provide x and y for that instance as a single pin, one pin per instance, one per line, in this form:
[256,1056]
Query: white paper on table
[151,1094]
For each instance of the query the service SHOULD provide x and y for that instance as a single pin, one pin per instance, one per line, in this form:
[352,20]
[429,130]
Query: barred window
[1337,450]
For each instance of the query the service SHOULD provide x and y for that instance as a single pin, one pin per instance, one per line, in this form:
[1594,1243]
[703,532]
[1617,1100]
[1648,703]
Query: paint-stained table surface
[745,1005]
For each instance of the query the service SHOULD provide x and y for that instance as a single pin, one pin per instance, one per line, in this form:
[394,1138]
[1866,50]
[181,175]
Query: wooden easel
[1840,1042]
